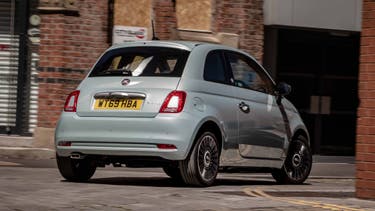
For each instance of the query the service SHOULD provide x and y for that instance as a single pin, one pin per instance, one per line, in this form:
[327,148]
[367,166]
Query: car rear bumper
[113,136]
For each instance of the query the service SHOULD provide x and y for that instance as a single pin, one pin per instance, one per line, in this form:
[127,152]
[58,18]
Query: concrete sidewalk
[24,148]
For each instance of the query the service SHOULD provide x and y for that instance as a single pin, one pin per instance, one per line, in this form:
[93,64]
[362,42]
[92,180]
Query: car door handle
[244,107]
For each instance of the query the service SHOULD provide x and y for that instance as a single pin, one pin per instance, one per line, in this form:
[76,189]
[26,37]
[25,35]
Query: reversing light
[71,102]
[174,102]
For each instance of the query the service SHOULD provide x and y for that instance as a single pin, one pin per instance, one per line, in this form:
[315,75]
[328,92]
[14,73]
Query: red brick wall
[164,18]
[365,149]
[69,46]
[242,17]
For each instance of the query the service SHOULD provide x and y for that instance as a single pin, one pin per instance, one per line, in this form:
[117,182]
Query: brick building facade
[244,18]
[72,37]
[365,149]
[165,18]
[70,44]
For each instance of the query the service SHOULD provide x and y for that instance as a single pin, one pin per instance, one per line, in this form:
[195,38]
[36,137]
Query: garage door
[8,67]
[18,109]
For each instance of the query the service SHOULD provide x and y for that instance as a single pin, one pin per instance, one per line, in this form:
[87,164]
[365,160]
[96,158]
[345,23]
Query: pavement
[23,147]
[37,185]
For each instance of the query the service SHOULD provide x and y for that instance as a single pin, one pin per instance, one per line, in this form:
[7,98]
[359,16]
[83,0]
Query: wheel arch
[214,128]
[208,124]
[280,175]
[303,132]
[190,170]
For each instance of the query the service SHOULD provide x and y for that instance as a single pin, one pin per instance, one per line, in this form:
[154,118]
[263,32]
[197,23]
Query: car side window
[214,69]
[247,75]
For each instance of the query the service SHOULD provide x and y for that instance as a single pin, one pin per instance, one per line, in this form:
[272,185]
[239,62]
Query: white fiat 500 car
[191,108]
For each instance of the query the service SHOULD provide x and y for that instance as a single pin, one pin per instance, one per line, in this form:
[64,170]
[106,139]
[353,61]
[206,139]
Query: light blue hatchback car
[192,108]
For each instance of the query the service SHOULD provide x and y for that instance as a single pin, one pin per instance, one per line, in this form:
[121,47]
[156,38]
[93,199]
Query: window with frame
[214,68]
[141,61]
[247,75]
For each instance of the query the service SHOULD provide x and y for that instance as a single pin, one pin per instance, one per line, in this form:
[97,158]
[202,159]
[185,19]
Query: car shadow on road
[168,182]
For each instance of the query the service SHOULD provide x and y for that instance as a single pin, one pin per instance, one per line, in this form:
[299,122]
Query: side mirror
[283,89]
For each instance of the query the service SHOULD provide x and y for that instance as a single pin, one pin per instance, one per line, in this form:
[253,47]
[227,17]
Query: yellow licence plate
[118,104]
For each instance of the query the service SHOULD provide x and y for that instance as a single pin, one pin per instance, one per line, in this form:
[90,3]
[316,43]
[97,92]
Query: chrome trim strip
[119,95]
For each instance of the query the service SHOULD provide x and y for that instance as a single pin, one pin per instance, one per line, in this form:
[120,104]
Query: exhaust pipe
[77,156]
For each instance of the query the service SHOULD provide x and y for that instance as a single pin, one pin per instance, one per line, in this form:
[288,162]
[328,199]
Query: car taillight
[64,143]
[71,102]
[166,146]
[174,103]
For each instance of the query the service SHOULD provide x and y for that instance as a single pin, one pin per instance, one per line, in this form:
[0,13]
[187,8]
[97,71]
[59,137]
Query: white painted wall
[326,14]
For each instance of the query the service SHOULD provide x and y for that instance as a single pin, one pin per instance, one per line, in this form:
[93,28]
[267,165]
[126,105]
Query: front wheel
[75,170]
[297,165]
[200,168]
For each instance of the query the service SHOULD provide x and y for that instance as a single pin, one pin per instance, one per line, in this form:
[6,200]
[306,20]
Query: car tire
[76,170]
[173,172]
[297,165]
[200,168]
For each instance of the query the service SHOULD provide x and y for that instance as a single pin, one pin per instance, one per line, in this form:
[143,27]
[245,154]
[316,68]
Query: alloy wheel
[299,161]
[208,158]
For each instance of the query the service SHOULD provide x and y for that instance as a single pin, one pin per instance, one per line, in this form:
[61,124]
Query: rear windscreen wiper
[115,72]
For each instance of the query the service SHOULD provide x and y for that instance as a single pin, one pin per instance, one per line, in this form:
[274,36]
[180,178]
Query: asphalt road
[37,185]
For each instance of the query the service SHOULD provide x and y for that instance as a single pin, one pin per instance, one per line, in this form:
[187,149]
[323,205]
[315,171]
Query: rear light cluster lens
[166,146]
[65,143]
[174,103]
[71,102]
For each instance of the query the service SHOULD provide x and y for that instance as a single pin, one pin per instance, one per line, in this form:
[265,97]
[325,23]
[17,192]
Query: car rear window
[141,61]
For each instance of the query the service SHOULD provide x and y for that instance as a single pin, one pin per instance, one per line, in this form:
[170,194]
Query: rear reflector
[174,103]
[64,143]
[71,102]
[166,146]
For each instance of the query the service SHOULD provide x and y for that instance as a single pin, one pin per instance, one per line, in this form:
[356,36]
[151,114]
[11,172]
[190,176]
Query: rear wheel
[173,172]
[297,165]
[76,170]
[200,168]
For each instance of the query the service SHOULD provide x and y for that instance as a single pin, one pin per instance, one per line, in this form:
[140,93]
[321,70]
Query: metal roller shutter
[34,91]
[8,66]
[18,111]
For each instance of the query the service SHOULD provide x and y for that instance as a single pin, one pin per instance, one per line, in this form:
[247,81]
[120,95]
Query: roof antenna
[153,31]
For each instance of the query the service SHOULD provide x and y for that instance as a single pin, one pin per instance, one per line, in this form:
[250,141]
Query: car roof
[184,45]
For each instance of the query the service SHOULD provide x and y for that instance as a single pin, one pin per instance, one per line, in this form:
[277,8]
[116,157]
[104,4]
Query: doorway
[322,67]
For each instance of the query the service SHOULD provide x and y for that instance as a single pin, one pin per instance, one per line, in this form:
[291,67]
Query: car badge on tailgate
[125,82]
